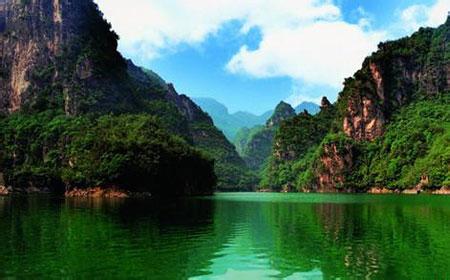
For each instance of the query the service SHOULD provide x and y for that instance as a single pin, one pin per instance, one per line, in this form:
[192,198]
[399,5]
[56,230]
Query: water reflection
[229,236]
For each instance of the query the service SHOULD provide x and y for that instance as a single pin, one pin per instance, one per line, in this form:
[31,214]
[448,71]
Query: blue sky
[252,54]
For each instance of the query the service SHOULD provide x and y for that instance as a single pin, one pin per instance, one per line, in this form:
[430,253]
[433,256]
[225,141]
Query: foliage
[129,151]
[296,141]
[411,98]
[416,144]
[231,170]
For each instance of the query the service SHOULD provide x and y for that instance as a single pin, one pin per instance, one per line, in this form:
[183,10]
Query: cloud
[320,52]
[308,93]
[306,40]
[416,16]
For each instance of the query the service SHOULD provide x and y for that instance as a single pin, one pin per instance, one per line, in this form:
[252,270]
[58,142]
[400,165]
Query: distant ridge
[230,124]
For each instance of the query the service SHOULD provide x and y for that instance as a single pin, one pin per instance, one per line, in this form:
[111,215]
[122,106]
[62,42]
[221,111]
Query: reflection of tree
[392,238]
[383,240]
[92,238]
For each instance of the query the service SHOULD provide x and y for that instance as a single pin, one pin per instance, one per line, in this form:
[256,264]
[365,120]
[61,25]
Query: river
[227,236]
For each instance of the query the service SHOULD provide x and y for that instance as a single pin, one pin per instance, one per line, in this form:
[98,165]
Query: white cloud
[308,93]
[320,52]
[417,16]
[306,40]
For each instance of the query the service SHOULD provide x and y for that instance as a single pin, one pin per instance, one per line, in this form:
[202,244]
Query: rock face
[61,55]
[392,77]
[53,52]
[97,192]
[336,162]
[399,73]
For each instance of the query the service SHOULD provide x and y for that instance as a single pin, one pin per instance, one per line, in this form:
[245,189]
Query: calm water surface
[228,236]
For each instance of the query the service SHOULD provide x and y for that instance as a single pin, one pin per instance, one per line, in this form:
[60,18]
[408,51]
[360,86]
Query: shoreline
[114,192]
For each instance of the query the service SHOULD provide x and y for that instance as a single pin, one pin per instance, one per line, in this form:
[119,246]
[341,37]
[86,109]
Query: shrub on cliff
[128,151]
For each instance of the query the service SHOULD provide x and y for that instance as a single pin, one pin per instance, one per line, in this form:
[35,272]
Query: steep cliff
[360,146]
[61,56]
[230,168]
[398,73]
[255,144]
[60,53]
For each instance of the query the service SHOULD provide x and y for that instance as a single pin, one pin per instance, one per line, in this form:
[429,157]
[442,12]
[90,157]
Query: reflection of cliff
[89,238]
[356,238]
[383,237]
[387,240]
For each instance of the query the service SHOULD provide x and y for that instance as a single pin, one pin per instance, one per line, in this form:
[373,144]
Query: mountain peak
[282,112]
[325,103]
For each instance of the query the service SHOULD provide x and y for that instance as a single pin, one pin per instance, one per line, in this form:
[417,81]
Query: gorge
[76,114]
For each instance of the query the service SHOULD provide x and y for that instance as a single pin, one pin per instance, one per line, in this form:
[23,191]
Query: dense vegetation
[87,79]
[416,144]
[133,152]
[404,86]
[231,170]
[297,140]
[255,144]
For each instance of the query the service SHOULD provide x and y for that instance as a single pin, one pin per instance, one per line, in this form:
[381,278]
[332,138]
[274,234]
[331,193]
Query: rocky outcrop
[282,112]
[51,51]
[98,192]
[393,77]
[364,119]
[325,104]
[336,162]
[402,71]
[3,189]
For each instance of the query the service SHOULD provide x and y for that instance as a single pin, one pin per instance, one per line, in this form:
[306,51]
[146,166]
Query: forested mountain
[390,126]
[70,104]
[255,144]
[230,124]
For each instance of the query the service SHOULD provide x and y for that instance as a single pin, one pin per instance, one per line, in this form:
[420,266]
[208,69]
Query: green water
[228,236]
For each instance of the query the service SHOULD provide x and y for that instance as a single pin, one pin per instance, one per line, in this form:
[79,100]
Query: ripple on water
[235,236]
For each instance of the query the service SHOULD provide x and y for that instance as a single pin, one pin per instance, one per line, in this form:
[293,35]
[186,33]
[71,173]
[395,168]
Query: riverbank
[95,192]
[376,190]
[100,192]
[440,191]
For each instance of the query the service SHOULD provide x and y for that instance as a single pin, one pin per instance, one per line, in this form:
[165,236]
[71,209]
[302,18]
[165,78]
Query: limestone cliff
[399,72]
[346,148]
[61,56]
[55,53]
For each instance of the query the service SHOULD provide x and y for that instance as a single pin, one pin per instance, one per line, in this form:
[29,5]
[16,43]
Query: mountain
[390,126]
[311,107]
[230,123]
[255,144]
[75,112]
